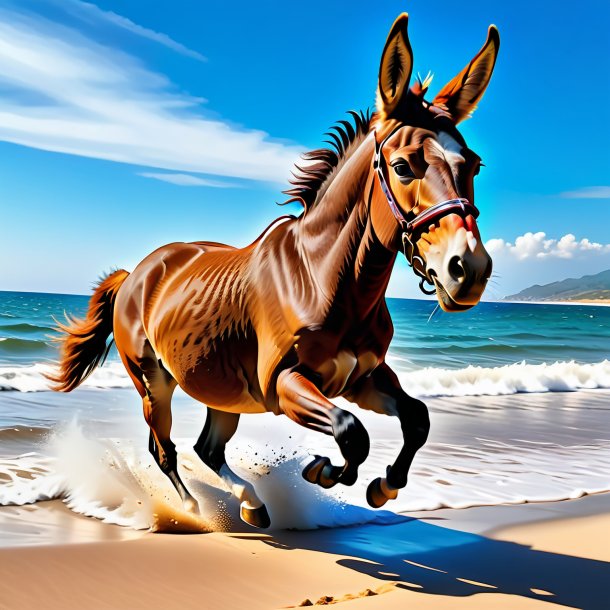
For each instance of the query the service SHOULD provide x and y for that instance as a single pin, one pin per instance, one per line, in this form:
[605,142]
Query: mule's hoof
[256,517]
[190,505]
[321,472]
[348,477]
[378,493]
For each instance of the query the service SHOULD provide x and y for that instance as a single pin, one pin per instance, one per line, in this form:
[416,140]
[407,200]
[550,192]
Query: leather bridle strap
[412,224]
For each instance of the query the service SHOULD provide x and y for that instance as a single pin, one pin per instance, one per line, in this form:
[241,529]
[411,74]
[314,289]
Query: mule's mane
[311,181]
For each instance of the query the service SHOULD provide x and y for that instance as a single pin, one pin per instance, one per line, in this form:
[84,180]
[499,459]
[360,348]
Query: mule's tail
[84,341]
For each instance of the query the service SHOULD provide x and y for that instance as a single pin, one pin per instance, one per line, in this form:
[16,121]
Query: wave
[32,378]
[509,379]
[97,478]
[115,481]
[24,327]
[14,346]
[426,382]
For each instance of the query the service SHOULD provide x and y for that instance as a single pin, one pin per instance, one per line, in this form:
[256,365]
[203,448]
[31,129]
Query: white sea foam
[116,481]
[509,379]
[31,378]
[96,479]
[429,382]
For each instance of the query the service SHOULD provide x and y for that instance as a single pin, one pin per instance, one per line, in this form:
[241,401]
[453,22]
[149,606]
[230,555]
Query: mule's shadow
[435,560]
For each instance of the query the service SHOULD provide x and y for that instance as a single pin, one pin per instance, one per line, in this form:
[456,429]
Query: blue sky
[126,125]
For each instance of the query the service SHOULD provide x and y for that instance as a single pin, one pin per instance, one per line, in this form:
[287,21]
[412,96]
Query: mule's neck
[337,237]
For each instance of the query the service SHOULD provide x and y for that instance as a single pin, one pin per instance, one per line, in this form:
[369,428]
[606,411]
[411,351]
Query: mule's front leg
[304,403]
[381,392]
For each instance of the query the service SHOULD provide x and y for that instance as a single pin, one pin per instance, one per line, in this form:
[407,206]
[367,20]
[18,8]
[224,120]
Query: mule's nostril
[456,269]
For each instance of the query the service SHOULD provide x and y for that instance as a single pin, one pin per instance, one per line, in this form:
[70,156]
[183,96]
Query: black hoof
[348,477]
[321,472]
[378,493]
[256,517]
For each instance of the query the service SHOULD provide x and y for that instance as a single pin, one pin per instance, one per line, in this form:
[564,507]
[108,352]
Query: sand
[487,557]
[522,556]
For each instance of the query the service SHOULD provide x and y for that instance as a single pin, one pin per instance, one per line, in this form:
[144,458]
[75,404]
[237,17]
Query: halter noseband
[412,224]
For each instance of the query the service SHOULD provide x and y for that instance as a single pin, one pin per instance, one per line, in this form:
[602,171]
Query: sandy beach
[347,400]
[519,555]
[507,505]
[523,556]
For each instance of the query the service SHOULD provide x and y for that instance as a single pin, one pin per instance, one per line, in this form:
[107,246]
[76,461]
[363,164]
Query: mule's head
[424,161]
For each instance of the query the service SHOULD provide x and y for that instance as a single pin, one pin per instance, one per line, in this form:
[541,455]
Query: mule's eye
[402,169]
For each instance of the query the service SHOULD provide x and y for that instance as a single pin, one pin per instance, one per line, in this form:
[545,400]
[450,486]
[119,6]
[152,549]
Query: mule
[299,317]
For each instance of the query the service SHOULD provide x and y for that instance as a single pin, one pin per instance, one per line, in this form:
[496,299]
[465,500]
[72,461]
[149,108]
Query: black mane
[308,181]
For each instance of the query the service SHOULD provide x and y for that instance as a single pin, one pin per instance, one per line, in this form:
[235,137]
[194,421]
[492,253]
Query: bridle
[412,224]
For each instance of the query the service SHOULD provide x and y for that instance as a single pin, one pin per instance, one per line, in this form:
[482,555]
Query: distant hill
[587,288]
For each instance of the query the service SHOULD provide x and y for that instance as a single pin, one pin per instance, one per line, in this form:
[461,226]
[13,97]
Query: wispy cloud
[588,192]
[186,180]
[90,11]
[65,92]
[538,245]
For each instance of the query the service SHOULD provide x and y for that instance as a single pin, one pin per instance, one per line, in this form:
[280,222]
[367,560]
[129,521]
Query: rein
[412,224]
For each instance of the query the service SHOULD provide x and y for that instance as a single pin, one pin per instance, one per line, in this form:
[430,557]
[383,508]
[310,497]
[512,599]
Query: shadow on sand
[435,560]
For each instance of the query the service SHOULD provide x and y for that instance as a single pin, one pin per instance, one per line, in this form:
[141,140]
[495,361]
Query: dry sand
[490,557]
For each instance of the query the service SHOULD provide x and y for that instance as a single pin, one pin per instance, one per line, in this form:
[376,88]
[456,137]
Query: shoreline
[502,557]
[587,302]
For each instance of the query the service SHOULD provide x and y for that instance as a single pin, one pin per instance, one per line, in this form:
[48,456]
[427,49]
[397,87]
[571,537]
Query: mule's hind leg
[219,428]
[159,387]
[303,402]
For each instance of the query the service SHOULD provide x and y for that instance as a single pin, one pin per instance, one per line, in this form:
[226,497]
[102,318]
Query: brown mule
[299,316]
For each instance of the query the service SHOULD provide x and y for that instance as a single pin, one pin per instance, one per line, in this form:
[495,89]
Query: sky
[127,125]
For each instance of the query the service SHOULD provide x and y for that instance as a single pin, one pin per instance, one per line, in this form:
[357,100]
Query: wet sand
[500,556]
[522,556]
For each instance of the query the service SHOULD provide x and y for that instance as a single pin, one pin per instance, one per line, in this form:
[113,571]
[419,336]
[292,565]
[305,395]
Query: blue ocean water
[489,335]
[517,395]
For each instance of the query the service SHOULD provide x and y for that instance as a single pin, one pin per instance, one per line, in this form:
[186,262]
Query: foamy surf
[117,483]
[93,478]
[31,378]
[504,380]
[428,382]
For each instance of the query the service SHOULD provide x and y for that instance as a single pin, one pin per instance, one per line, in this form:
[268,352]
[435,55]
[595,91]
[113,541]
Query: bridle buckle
[416,263]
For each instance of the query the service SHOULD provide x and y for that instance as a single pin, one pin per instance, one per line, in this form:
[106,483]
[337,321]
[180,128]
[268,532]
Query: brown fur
[298,316]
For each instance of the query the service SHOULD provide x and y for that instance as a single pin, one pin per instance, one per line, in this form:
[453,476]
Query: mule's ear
[461,95]
[395,69]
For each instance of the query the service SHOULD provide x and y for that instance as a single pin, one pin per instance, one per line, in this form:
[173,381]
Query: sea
[519,399]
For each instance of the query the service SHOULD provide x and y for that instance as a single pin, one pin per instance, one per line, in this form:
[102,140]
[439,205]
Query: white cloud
[588,192]
[88,10]
[64,92]
[186,180]
[537,246]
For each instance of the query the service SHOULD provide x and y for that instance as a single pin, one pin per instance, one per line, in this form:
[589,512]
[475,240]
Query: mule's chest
[342,356]
[340,370]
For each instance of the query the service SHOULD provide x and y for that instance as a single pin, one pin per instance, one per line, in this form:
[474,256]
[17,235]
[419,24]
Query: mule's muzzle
[461,277]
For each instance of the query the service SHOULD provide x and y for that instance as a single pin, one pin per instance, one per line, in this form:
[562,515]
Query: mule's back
[176,307]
